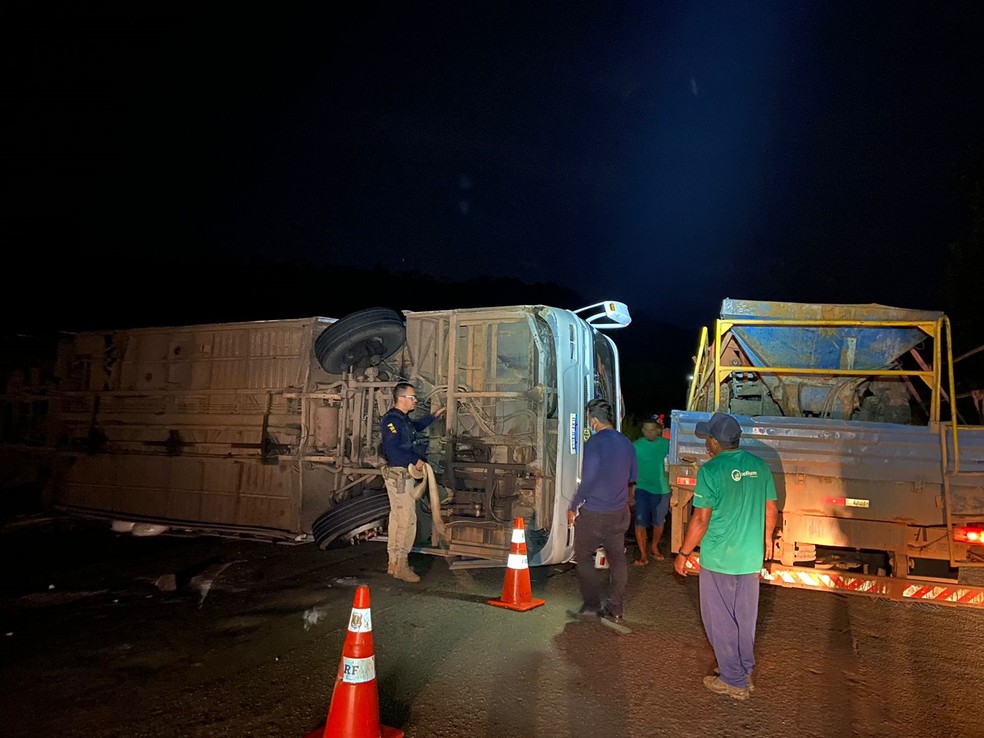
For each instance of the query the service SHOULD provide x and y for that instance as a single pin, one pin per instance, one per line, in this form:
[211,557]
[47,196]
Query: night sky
[666,154]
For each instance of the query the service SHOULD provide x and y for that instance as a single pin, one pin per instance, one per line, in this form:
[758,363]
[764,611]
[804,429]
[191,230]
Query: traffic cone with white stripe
[354,708]
[517,592]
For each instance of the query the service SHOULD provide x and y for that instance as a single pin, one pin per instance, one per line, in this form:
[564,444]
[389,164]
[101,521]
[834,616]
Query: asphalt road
[94,643]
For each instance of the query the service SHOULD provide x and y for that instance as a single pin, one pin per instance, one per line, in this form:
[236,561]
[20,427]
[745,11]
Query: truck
[880,479]
[270,429]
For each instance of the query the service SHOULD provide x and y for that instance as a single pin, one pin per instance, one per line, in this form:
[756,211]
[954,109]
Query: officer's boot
[403,572]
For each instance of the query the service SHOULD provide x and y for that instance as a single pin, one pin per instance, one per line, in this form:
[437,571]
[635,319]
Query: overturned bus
[270,429]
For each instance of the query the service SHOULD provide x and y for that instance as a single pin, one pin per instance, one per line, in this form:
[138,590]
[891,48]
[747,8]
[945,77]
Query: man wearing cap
[733,519]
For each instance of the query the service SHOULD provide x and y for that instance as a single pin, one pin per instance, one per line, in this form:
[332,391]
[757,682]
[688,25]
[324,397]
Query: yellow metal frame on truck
[708,366]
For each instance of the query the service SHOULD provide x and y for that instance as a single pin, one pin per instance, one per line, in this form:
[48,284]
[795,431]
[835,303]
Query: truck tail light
[972,533]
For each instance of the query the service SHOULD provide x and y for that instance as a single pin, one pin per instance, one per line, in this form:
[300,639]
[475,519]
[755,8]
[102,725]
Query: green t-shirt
[650,456]
[734,485]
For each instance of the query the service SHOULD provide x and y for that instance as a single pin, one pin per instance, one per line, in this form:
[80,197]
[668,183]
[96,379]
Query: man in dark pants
[734,516]
[601,510]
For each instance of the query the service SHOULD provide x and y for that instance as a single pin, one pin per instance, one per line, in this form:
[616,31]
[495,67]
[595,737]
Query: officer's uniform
[404,444]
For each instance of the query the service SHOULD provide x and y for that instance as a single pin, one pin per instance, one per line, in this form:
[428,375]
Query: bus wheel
[360,339]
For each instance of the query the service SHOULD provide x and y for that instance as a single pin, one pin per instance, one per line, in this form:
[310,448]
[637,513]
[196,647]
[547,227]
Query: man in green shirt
[734,516]
[652,492]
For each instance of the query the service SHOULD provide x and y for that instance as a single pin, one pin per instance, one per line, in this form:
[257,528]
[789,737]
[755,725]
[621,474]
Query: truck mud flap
[349,519]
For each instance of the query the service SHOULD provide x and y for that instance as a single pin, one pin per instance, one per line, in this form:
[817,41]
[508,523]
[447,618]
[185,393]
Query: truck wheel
[349,518]
[360,339]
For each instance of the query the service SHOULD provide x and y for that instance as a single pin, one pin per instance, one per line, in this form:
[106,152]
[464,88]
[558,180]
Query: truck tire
[360,339]
[349,518]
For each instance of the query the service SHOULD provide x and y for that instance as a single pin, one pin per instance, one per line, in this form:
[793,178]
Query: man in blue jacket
[601,509]
[404,445]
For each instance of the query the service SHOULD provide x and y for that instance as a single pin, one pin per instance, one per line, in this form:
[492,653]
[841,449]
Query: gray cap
[722,427]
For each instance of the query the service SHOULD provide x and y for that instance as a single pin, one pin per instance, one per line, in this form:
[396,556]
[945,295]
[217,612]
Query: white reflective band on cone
[357,671]
[361,621]
[518,536]
[517,561]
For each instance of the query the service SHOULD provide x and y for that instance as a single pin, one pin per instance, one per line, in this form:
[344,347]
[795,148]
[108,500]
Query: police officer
[404,444]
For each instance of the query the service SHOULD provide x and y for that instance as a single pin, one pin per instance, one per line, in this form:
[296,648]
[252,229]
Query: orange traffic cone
[354,708]
[517,593]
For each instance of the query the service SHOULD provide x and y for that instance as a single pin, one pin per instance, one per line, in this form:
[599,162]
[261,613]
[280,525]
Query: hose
[439,533]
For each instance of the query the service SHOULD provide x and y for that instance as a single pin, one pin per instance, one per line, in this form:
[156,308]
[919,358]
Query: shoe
[715,684]
[611,617]
[583,613]
[751,686]
[406,574]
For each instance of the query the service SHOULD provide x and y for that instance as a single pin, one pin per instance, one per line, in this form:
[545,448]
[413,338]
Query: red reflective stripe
[835,501]
[876,586]
[851,583]
[686,481]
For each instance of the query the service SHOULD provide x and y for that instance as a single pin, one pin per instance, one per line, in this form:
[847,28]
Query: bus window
[604,370]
